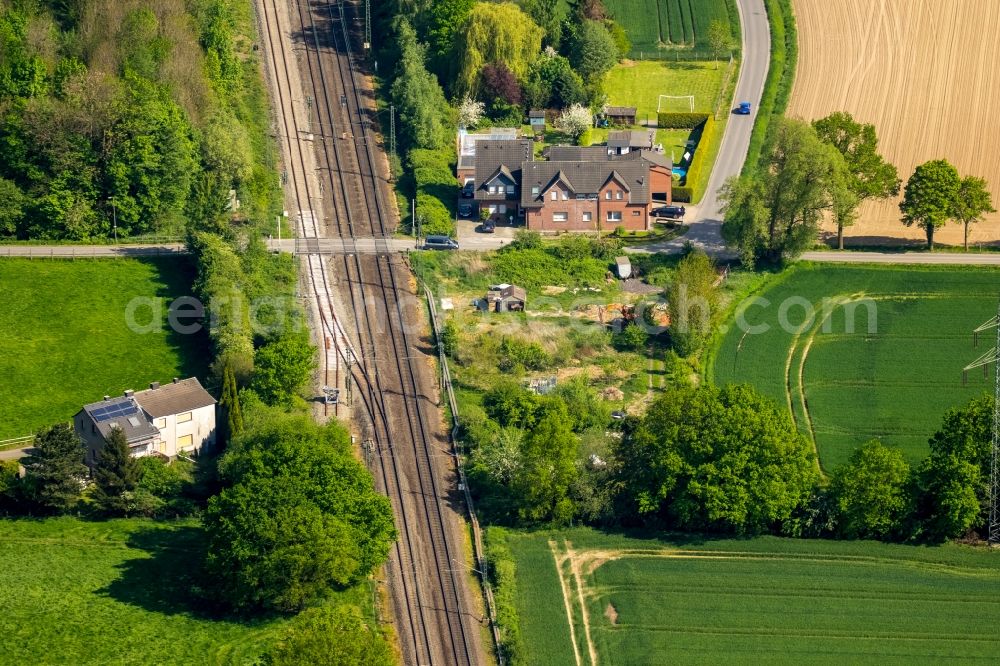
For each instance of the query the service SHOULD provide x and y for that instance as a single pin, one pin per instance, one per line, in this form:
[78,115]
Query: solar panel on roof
[108,412]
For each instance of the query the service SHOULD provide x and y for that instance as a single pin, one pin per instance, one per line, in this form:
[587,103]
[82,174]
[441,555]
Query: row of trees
[828,169]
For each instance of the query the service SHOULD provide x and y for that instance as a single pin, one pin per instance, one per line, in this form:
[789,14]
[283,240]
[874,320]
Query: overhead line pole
[992,356]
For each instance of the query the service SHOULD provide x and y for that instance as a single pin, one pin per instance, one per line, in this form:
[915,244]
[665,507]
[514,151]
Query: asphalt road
[756,37]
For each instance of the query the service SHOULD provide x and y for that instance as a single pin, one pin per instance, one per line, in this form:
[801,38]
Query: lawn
[893,382]
[113,592]
[766,600]
[64,340]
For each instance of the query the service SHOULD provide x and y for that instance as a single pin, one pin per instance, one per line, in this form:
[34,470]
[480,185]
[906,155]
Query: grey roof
[631,138]
[500,157]
[651,156]
[584,177]
[175,398]
[576,153]
[127,416]
[620,110]
[536,113]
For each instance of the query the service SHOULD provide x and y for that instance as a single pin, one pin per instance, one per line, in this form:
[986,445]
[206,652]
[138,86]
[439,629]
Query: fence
[16,442]
[477,533]
[682,55]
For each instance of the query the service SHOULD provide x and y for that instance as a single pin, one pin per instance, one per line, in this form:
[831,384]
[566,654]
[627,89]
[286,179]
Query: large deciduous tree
[714,459]
[549,15]
[870,176]
[592,51]
[972,202]
[298,517]
[282,367]
[871,492]
[929,197]
[720,38]
[446,18]
[54,470]
[495,32]
[552,83]
[691,301]
[774,213]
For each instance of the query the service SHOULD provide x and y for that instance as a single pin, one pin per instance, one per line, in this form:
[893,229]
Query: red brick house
[498,175]
[583,189]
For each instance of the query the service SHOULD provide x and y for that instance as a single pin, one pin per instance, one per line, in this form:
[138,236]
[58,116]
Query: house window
[493,189]
[588,216]
[161,423]
[184,418]
[636,213]
[510,189]
[614,216]
[534,190]
[607,195]
[618,194]
[185,442]
[502,208]
[555,195]
[565,195]
[561,216]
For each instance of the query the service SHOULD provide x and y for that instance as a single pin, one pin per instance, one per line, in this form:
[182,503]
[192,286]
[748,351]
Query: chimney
[107,397]
[175,380]
[129,393]
[154,385]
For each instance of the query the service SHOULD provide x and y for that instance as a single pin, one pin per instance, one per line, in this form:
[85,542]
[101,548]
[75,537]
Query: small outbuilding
[620,115]
[536,118]
[624,267]
[504,298]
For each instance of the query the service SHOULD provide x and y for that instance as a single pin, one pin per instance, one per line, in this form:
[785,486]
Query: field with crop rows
[766,600]
[927,74]
[893,381]
[657,24]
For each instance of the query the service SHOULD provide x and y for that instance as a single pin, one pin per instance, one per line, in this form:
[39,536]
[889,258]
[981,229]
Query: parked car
[469,190]
[440,243]
[465,210]
[488,227]
[743,109]
[673,212]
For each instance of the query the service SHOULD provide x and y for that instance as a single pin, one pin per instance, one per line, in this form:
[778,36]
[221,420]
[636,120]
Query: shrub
[681,120]
[503,574]
[683,194]
[706,133]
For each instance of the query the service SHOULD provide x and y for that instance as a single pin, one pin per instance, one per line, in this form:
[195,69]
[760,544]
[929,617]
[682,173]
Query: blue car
[743,109]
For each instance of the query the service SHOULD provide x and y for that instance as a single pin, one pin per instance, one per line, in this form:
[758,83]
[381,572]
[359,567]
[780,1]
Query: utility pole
[392,128]
[992,356]
[368,25]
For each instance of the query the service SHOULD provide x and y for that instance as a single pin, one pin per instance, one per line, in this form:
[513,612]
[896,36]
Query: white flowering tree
[470,112]
[575,120]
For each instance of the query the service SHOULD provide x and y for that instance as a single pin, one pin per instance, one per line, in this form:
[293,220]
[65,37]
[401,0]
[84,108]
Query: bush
[503,576]
[328,635]
[519,355]
[681,120]
[632,338]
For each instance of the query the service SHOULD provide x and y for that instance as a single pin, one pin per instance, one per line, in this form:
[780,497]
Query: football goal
[675,104]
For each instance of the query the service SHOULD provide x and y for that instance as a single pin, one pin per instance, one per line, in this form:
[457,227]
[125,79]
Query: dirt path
[566,599]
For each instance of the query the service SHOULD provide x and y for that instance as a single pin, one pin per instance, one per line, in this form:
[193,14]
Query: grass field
[658,24]
[845,388]
[64,340]
[114,592]
[765,600]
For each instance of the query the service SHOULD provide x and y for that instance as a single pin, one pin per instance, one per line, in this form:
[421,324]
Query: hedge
[780,76]
[681,120]
[503,573]
[682,194]
[708,130]
[435,189]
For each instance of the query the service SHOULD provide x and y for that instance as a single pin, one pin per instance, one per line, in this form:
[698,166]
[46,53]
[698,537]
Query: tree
[574,121]
[870,176]
[953,481]
[773,214]
[929,197]
[12,202]
[446,18]
[230,405]
[499,87]
[592,10]
[552,83]
[592,51]
[720,38]
[549,16]
[470,113]
[972,202]
[871,492]
[330,635]
[116,475]
[282,367]
[495,32]
[714,459]
[423,111]
[623,45]
[633,337]
[585,408]
[54,470]
[298,516]
[691,301]
[548,468]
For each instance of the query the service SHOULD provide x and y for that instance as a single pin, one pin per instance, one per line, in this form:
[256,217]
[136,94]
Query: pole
[114,218]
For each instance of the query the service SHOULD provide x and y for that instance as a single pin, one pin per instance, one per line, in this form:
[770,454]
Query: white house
[176,418]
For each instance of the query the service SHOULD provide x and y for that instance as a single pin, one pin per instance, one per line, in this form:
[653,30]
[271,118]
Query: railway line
[335,186]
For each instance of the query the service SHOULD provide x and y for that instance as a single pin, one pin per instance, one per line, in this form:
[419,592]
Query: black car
[488,227]
[469,190]
[465,210]
[673,212]
[440,243]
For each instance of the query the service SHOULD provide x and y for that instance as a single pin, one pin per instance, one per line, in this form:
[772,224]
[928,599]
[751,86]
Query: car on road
[465,210]
[673,212]
[469,190]
[488,227]
[743,109]
[440,243]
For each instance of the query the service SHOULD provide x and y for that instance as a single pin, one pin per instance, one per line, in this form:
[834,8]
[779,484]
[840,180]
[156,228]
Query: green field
[764,600]
[845,388]
[113,592]
[657,24]
[64,340]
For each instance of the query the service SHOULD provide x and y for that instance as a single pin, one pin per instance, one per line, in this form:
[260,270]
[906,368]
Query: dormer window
[607,195]
[565,195]
[534,190]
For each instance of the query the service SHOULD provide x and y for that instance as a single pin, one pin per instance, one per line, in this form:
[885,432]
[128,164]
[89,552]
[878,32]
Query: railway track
[380,352]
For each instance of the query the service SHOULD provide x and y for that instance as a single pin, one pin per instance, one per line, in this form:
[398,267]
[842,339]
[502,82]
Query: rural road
[706,231]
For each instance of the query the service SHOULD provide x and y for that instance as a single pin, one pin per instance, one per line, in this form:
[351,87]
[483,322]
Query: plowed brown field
[926,73]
